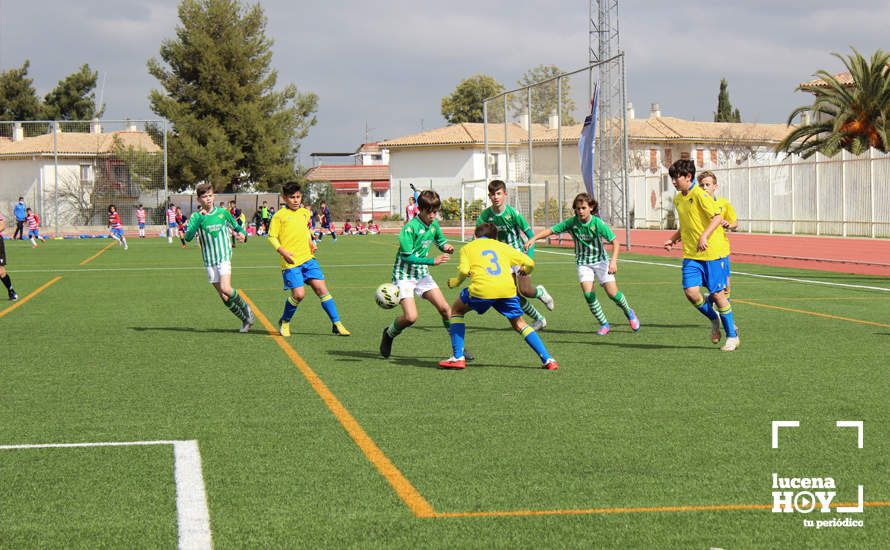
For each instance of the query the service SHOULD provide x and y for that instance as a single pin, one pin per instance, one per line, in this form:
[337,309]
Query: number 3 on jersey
[494,261]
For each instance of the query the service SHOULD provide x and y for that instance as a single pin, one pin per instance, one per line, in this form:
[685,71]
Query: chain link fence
[69,172]
[844,195]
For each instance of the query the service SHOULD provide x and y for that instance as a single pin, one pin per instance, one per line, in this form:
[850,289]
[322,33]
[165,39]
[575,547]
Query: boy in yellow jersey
[289,235]
[705,249]
[708,182]
[487,262]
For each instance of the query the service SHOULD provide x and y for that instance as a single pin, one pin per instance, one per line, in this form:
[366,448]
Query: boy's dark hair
[289,188]
[495,185]
[429,200]
[201,190]
[683,167]
[588,198]
[486,229]
[110,206]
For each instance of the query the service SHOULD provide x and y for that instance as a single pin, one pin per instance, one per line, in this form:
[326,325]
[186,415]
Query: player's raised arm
[193,224]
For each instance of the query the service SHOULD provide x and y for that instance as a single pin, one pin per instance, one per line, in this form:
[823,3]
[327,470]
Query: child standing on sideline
[704,252]
[117,228]
[171,223]
[411,272]
[180,226]
[289,235]
[592,260]
[140,220]
[4,276]
[212,225]
[513,230]
[488,264]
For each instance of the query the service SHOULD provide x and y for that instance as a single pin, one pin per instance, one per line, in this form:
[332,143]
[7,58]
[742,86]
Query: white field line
[735,273]
[193,516]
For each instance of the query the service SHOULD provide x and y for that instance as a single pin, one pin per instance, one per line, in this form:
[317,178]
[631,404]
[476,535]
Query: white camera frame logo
[806,501]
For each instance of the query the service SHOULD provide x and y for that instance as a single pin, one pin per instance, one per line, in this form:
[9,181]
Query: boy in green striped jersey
[411,272]
[212,225]
[513,230]
[592,260]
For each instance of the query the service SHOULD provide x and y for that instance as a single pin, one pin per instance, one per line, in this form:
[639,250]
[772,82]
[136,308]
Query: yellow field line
[96,255]
[814,313]
[403,488]
[21,301]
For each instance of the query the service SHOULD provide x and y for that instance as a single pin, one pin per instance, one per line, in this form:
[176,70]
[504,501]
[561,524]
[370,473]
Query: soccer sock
[393,329]
[621,302]
[447,323]
[457,330]
[529,309]
[182,240]
[596,308]
[706,309]
[124,240]
[327,302]
[237,306]
[727,319]
[538,291]
[7,282]
[290,308]
[534,341]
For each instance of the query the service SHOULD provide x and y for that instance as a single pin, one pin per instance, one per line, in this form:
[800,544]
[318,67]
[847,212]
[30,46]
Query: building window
[653,160]
[494,160]
[700,157]
[86,172]
[668,157]
[379,194]
[684,155]
[713,157]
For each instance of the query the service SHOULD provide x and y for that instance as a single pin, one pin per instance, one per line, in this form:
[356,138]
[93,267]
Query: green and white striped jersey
[415,241]
[212,229]
[512,227]
[588,238]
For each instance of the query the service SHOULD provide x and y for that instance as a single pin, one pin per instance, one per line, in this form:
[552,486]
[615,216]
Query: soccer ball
[387,295]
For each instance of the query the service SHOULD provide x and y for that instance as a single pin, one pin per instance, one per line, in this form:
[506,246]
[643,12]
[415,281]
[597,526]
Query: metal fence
[69,172]
[531,142]
[845,195]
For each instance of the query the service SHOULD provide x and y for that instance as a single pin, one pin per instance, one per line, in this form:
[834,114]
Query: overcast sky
[389,63]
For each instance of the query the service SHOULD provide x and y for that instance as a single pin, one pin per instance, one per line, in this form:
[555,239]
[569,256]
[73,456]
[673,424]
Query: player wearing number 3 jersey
[488,264]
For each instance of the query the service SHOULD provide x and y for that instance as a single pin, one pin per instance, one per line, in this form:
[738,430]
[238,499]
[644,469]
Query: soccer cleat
[550,364]
[453,363]
[604,330]
[338,328]
[634,322]
[732,343]
[468,355]
[539,324]
[13,296]
[245,327]
[715,330]
[283,327]
[545,297]
[385,343]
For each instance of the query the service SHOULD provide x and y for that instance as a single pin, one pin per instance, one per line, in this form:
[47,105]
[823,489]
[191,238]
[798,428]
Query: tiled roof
[333,172]
[650,129]
[844,78]
[373,147]
[77,143]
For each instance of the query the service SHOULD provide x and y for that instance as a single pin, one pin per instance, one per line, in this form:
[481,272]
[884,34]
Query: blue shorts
[172,225]
[508,307]
[119,233]
[141,225]
[710,274]
[34,233]
[295,277]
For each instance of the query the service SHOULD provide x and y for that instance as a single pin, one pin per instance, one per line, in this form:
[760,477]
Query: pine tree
[725,112]
[18,99]
[465,102]
[74,97]
[231,127]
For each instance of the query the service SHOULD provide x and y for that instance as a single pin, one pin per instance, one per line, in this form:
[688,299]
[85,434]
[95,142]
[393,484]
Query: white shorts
[408,288]
[215,272]
[595,272]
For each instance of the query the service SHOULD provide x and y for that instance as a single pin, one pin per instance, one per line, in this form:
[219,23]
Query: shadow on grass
[604,341]
[413,361]
[254,331]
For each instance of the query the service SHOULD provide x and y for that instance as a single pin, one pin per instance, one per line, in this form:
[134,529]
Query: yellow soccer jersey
[728,213]
[487,263]
[695,210]
[290,229]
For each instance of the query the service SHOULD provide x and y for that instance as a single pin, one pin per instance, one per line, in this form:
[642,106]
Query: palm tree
[852,117]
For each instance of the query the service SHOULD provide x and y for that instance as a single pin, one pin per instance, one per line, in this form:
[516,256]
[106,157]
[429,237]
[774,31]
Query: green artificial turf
[135,346]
